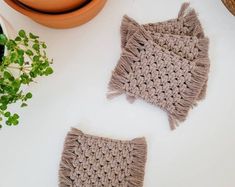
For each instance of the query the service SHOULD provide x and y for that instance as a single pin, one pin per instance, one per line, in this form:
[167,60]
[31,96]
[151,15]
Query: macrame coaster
[92,161]
[164,63]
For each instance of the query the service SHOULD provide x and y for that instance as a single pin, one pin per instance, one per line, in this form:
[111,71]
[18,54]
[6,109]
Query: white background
[200,153]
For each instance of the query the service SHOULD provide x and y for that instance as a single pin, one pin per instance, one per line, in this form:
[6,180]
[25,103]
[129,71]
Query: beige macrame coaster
[164,63]
[91,161]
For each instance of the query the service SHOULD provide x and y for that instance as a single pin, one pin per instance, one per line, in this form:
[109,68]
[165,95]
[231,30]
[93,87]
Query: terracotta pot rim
[27,11]
[53,6]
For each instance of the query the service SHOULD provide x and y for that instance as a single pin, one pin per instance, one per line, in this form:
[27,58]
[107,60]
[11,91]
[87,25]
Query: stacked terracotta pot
[58,13]
[230,4]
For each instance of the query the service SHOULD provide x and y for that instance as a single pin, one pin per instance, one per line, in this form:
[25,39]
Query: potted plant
[22,60]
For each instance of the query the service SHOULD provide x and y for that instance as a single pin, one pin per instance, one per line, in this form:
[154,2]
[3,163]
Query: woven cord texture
[164,63]
[91,161]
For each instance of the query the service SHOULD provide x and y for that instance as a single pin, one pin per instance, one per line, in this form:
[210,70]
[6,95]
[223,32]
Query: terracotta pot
[230,5]
[64,20]
[53,5]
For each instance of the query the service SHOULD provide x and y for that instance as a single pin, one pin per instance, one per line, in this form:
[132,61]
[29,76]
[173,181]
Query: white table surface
[200,153]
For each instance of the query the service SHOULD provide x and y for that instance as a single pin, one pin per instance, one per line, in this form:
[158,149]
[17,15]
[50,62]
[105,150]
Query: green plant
[26,59]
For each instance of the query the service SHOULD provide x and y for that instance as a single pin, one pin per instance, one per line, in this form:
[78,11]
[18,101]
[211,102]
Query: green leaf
[11,44]
[3,107]
[13,56]
[48,71]
[20,60]
[44,45]
[7,75]
[15,116]
[8,122]
[36,58]
[36,47]
[32,74]
[4,98]
[26,42]
[32,36]
[18,39]
[15,122]
[29,95]
[3,39]
[7,114]
[20,52]
[23,105]
[25,79]
[22,34]
[29,52]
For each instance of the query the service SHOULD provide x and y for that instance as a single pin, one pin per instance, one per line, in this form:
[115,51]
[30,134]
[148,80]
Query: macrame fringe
[203,44]
[202,94]
[138,165]
[66,165]
[130,98]
[191,20]
[195,91]
[119,77]
[137,41]
[121,71]
[183,9]
[124,30]
[128,27]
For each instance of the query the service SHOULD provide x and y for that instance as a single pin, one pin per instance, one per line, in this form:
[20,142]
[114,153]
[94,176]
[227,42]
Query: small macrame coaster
[164,63]
[91,161]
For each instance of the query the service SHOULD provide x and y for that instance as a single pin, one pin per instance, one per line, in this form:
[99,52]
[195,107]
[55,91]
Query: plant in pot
[22,60]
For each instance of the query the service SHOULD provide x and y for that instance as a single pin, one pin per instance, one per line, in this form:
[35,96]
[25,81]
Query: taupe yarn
[91,161]
[164,63]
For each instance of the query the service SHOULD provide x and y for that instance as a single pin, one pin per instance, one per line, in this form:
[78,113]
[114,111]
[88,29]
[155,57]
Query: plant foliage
[26,59]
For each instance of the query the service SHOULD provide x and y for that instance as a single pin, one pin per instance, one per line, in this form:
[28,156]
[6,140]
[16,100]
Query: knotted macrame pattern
[91,161]
[164,63]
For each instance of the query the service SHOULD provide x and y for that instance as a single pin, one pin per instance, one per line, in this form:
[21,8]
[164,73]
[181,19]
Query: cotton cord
[164,63]
[91,161]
